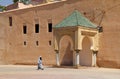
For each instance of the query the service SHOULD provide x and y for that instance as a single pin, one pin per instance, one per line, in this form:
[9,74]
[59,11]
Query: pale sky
[5,2]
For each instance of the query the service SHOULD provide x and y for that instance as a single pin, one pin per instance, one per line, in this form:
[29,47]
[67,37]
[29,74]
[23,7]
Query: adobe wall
[108,55]
[2,39]
[17,52]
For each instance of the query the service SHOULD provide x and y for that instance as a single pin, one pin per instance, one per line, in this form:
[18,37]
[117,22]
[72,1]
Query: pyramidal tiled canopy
[76,19]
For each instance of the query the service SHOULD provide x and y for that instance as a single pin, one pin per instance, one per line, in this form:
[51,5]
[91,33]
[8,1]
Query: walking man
[40,66]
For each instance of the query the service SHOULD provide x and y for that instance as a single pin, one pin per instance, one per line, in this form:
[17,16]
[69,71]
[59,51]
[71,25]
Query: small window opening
[36,28]
[10,21]
[49,27]
[25,29]
[25,43]
[37,43]
[50,43]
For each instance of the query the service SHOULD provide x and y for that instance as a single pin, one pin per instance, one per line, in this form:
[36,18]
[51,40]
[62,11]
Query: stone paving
[31,72]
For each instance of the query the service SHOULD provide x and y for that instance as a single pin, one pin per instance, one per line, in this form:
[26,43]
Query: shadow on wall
[68,56]
[66,51]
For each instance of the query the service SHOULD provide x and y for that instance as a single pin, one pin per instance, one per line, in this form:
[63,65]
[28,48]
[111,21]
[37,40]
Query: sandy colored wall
[108,55]
[17,52]
[2,39]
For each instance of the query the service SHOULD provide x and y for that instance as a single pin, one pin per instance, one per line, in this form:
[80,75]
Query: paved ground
[30,72]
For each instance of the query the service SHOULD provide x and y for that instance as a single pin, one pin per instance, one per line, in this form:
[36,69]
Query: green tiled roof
[76,19]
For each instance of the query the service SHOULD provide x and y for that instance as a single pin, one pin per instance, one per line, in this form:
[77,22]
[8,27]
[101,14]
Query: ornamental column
[57,58]
[77,47]
[94,58]
[77,58]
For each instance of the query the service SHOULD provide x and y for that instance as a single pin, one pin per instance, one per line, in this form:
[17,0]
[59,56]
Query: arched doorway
[86,53]
[66,51]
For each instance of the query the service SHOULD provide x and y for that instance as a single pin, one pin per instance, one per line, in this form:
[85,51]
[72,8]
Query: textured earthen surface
[30,72]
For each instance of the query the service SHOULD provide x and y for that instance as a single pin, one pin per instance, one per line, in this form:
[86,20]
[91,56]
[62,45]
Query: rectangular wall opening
[25,43]
[36,28]
[50,43]
[37,43]
[10,21]
[49,27]
[24,29]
